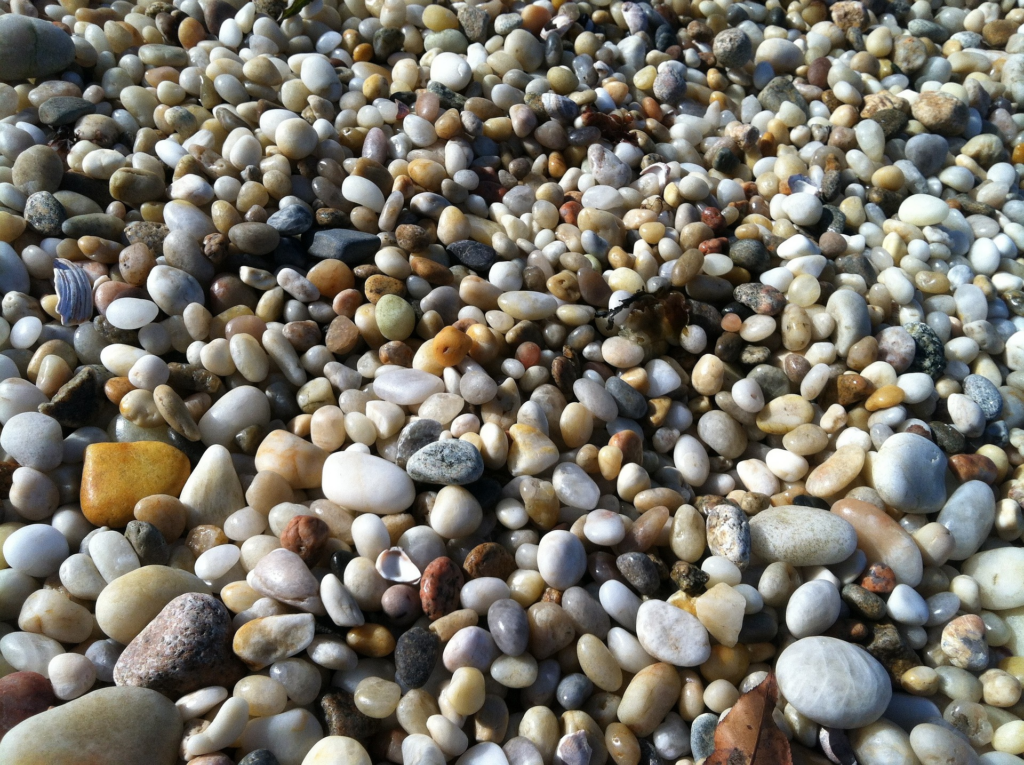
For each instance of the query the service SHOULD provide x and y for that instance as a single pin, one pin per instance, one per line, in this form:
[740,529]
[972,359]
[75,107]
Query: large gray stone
[32,48]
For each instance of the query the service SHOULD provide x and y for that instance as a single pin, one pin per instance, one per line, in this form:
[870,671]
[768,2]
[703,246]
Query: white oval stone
[999,574]
[923,210]
[407,387]
[367,484]
[671,634]
[812,608]
[833,682]
[131,313]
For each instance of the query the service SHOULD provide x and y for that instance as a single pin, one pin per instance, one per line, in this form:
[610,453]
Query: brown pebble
[306,536]
[489,559]
[440,588]
[879,579]
[973,467]
[22,695]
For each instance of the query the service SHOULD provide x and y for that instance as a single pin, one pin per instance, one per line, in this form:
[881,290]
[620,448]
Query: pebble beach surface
[510,384]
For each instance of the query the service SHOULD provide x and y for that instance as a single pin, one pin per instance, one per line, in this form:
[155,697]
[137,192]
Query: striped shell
[74,292]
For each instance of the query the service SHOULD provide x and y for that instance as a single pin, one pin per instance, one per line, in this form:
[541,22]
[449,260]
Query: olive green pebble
[395,317]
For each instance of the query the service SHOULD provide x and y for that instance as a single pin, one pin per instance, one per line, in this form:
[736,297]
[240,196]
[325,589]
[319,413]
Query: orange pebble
[451,346]
[731,322]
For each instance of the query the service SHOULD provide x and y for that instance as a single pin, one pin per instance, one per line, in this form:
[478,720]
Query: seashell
[573,749]
[395,566]
[559,25]
[74,292]
[560,108]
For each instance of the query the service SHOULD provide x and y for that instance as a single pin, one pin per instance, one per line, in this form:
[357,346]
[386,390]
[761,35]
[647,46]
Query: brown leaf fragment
[748,735]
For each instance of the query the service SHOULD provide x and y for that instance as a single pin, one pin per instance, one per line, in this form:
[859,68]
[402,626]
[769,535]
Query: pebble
[366,483]
[116,476]
[671,635]
[801,536]
[482,345]
[907,473]
[185,648]
[446,462]
[833,683]
[33,48]
[147,723]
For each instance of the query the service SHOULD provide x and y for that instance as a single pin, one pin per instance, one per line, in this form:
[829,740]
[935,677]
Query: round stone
[833,682]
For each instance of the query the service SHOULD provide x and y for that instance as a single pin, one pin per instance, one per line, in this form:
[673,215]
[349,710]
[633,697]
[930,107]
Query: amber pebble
[973,467]
[630,444]
[165,512]
[190,32]
[331,277]
[489,559]
[853,388]
[451,346]
[204,537]
[731,322]
[645,530]
[431,271]
[622,745]
[373,640]
[247,325]
[116,388]
[862,353]
[884,397]
[306,536]
[379,285]
[879,579]
[396,353]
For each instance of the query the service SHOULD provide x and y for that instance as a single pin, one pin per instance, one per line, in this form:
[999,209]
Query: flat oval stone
[33,48]
[923,210]
[833,682]
[672,635]
[367,484]
[812,608]
[509,627]
[561,559]
[446,462]
[801,536]
[128,726]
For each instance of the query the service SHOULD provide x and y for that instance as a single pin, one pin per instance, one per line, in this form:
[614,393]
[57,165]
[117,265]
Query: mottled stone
[185,648]
[446,462]
[440,587]
[416,654]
